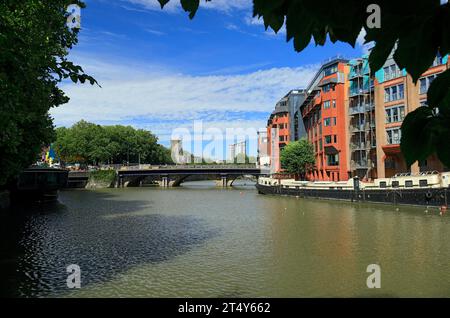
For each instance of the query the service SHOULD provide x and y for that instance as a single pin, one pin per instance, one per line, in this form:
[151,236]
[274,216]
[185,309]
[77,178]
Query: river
[201,241]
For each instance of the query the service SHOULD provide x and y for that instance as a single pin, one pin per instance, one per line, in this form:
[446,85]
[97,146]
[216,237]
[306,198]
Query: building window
[395,114]
[335,139]
[328,139]
[333,160]
[395,92]
[426,82]
[393,136]
[326,104]
[391,72]
[334,103]
[329,121]
[330,70]
[326,88]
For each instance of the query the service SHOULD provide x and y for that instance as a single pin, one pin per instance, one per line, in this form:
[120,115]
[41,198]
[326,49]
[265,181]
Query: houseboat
[424,189]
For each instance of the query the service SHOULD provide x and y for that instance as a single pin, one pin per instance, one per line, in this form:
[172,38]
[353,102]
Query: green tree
[297,157]
[34,42]
[89,143]
[417,30]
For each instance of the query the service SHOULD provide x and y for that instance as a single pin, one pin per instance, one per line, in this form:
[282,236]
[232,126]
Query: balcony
[360,109]
[355,74]
[360,164]
[392,75]
[357,128]
[359,92]
[357,110]
[355,146]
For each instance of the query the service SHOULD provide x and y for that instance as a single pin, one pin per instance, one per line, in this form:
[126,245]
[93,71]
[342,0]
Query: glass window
[328,139]
[423,86]
[330,70]
[387,93]
[393,93]
[401,91]
[327,121]
[395,114]
[393,136]
[333,160]
[387,73]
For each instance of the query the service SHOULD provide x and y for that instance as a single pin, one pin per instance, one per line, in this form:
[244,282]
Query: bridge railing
[174,167]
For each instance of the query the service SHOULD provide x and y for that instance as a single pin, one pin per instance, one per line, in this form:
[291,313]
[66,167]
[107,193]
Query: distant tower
[176,147]
[231,153]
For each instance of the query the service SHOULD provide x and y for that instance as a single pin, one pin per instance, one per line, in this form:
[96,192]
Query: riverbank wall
[101,179]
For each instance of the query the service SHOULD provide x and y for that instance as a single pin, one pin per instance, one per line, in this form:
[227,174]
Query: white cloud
[250,20]
[360,41]
[161,100]
[259,22]
[155,32]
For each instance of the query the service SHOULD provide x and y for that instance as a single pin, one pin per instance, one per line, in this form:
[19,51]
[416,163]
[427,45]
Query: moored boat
[425,189]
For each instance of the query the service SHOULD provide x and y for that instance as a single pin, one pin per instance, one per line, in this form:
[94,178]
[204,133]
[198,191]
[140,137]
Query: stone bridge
[174,176]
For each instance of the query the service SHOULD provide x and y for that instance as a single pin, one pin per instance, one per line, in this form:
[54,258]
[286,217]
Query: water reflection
[103,235]
[200,241]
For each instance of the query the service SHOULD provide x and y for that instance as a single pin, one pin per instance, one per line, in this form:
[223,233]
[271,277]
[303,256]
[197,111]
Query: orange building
[395,96]
[326,120]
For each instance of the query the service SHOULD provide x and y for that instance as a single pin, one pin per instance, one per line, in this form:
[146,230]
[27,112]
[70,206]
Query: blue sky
[159,70]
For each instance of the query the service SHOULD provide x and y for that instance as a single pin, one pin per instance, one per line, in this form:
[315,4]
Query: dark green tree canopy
[297,157]
[419,28]
[34,46]
[89,143]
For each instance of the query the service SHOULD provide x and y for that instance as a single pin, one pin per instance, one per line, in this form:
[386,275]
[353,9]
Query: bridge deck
[188,171]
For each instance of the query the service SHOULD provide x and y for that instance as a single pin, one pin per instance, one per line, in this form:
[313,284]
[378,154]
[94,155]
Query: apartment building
[362,130]
[353,118]
[282,126]
[325,116]
[396,95]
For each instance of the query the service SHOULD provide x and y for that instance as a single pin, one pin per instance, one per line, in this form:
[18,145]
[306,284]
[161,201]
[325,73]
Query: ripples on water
[204,242]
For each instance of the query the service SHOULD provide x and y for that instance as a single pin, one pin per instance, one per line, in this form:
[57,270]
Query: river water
[200,241]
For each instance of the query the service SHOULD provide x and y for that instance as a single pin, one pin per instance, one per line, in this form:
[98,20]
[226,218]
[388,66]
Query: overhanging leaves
[417,141]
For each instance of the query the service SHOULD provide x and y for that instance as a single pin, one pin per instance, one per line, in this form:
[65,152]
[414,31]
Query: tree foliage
[34,42]
[416,29]
[297,157]
[94,144]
